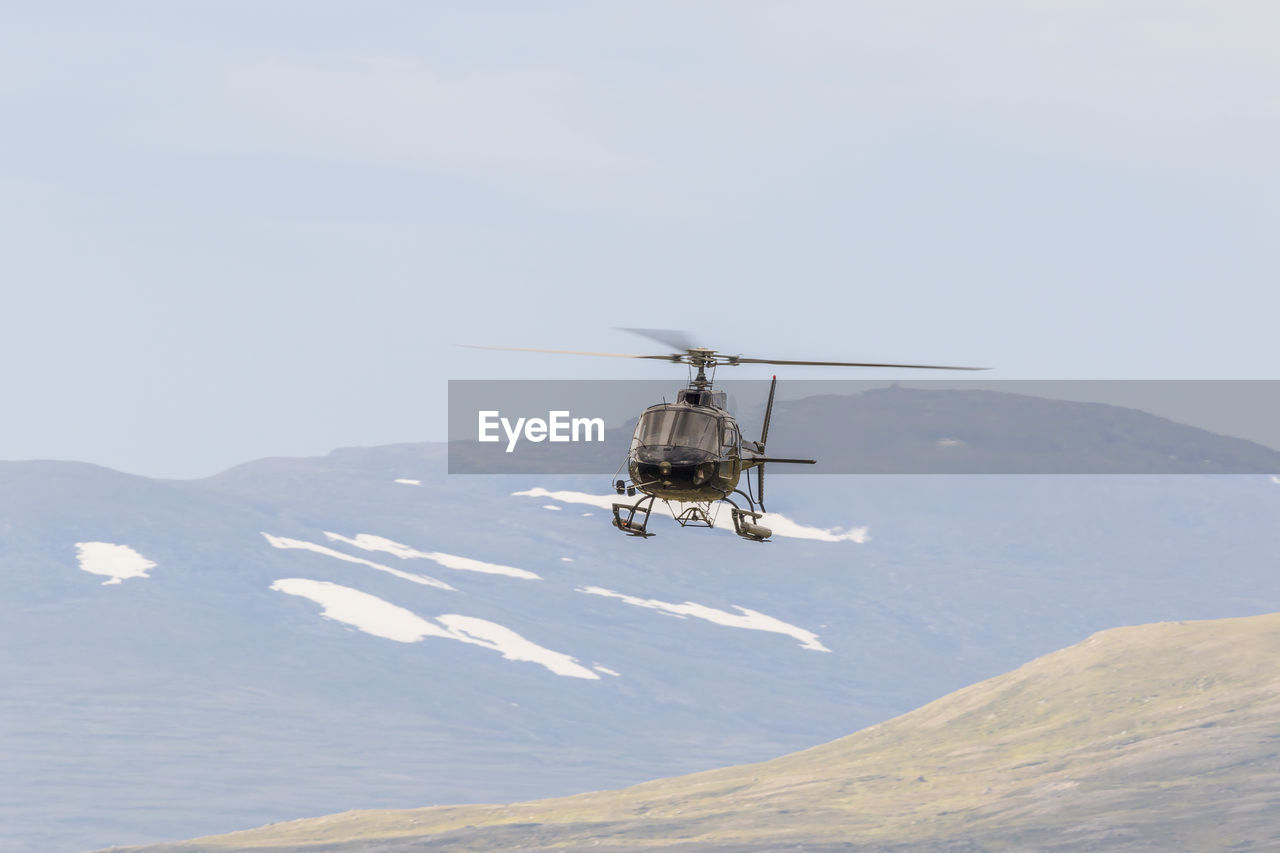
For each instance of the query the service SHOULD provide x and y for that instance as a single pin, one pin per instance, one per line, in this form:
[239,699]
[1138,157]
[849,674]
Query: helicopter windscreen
[679,428]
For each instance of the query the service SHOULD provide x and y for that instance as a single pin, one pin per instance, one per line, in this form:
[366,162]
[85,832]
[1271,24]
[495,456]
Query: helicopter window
[729,439]
[654,427]
[678,428]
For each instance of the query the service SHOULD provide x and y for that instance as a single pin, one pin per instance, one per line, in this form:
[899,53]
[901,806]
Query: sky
[234,230]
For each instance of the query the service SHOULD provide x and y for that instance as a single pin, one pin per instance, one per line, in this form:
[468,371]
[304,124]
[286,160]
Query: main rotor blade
[671,337]
[571,352]
[850,364]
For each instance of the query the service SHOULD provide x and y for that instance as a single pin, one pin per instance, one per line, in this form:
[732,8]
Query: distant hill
[901,430]
[1157,737]
[908,430]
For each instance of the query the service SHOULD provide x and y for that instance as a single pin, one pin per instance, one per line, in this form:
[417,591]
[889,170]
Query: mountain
[361,630]
[1156,737]
[904,430]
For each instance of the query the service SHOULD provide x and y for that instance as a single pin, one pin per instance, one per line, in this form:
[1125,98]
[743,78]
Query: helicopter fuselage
[689,450]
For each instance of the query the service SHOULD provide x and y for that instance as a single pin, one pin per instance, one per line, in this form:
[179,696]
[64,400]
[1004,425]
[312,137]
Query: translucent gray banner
[865,427]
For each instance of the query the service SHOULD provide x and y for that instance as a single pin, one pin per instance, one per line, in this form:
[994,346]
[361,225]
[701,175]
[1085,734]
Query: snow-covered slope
[302,636]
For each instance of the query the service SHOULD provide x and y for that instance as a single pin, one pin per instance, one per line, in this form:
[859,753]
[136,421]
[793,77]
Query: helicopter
[692,451]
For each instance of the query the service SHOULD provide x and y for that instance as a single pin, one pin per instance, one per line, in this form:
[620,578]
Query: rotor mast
[701,358]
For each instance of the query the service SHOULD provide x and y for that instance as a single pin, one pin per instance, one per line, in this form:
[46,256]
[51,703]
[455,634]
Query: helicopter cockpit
[678,449]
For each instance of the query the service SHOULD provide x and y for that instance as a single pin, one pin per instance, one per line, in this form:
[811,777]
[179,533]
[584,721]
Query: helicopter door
[729,449]
[728,438]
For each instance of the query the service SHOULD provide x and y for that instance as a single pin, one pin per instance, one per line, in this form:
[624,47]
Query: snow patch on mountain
[749,619]
[780,524]
[381,618]
[466,564]
[552,506]
[361,610]
[285,542]
[569,497]
[410,482]
[1275,479]
[598,668]
[369,542]
[117,562]
[512,646]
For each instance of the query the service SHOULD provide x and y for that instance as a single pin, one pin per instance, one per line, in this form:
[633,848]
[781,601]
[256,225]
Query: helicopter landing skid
[745,525]
[630,525]
[695,516]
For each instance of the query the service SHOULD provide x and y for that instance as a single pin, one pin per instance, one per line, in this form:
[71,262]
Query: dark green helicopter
[691,451]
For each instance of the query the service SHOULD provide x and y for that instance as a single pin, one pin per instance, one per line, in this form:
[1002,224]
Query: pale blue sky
[234,230]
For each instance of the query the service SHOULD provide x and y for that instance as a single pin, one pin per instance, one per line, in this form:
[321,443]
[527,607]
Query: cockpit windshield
[679,428]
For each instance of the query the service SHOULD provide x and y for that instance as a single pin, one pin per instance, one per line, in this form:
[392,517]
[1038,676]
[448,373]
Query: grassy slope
[1162,736]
